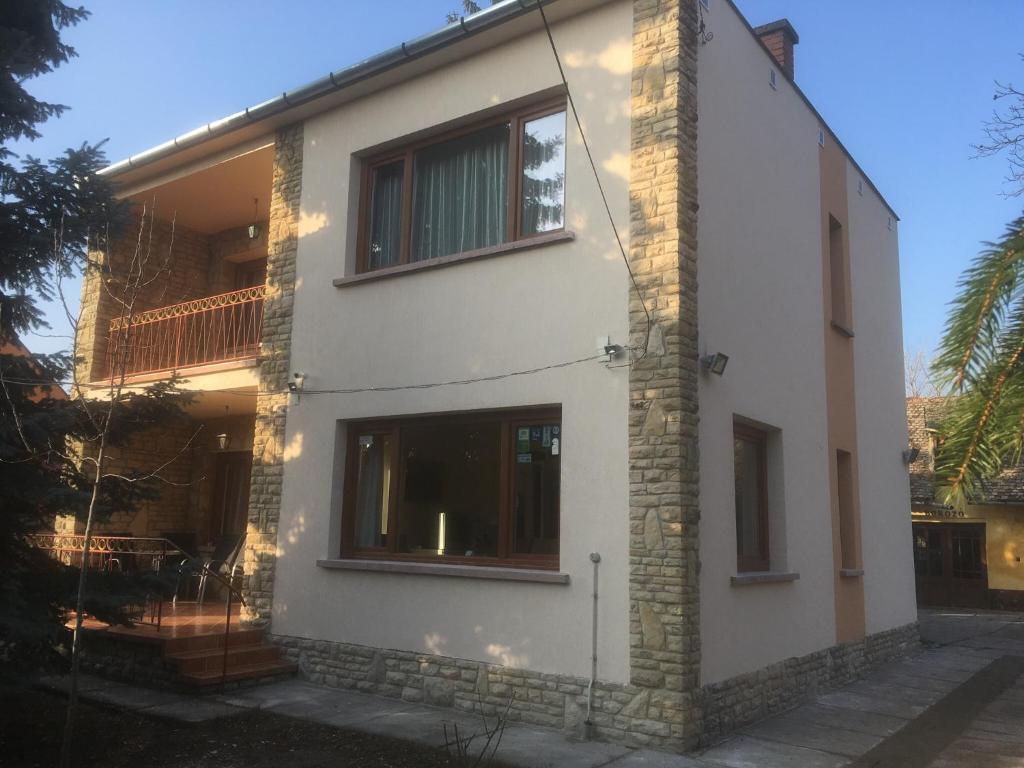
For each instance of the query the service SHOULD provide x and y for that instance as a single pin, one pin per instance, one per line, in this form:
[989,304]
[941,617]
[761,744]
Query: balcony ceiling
[217,197]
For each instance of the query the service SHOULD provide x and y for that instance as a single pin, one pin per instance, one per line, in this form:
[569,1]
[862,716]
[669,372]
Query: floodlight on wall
[606,347]
[254,228]
[714,363]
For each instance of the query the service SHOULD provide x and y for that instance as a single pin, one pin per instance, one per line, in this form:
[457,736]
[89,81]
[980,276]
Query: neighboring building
[968,558]
[428,216]
[11,345]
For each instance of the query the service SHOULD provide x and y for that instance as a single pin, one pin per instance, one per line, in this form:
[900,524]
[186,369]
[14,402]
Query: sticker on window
[524,458]
[554,446]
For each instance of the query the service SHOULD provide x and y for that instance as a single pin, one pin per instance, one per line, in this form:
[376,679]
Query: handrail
[192,306]
[201,331]
[168,547]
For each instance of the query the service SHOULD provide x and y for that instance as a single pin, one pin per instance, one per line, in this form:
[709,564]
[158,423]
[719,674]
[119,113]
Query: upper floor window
[476,187]
[473,488]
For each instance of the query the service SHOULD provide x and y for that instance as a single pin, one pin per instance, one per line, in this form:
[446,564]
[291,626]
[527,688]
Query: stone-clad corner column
[272,400]
[663,461]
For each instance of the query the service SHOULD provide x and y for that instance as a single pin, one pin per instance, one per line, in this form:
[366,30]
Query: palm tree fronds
[972,342]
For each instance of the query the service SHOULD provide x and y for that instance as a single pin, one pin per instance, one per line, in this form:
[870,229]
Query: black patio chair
[225,562]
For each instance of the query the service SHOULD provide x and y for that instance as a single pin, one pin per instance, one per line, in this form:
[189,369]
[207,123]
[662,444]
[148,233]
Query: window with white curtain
[470,189]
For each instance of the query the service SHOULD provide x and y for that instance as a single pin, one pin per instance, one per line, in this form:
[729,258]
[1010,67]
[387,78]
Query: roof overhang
[489,27]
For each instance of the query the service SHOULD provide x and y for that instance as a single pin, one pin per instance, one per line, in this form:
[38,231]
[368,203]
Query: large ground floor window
[476,488]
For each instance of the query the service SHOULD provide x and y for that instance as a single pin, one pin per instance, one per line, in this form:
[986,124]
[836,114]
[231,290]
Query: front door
[230,508]
[950,566]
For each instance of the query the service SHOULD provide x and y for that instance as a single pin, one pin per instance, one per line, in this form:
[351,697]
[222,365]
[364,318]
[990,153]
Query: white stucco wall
[512,312]
[760,302]
[881,409]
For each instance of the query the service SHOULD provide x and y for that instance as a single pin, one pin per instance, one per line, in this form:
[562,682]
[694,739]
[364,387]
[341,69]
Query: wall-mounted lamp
[605,347]
[223,441]
[714,363]
[295,385]
[254,228]
[910,455]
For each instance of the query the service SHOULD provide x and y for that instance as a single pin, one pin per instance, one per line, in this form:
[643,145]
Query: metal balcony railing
[211,329]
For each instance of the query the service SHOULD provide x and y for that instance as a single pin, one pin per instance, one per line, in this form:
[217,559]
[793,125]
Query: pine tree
[51,215]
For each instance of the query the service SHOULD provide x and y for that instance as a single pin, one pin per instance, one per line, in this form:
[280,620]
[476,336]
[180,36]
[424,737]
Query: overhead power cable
[357,390]
[597,177]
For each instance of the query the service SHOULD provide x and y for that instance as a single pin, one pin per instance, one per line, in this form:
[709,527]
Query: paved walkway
[958,703]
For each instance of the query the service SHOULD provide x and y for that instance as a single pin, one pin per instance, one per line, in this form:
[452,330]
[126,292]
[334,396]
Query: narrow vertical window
[848,544]
[838,275]
[535,488]
[751,478]
[385,238]
[374,490]
[543,180]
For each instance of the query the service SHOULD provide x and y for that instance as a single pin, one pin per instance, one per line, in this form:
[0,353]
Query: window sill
[843,329]
[851,573]
[762,577]
[493,573]
[457,258]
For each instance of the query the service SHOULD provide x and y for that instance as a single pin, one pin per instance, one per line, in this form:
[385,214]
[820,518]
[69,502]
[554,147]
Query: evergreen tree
[51,215]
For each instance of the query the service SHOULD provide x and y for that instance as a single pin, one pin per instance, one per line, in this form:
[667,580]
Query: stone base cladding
[537,698]
[743,699]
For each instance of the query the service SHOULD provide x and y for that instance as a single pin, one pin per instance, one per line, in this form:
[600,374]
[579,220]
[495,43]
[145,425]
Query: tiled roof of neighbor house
[924,413]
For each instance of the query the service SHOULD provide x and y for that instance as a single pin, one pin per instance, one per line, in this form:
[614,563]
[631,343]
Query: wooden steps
[201,660]
[187,650]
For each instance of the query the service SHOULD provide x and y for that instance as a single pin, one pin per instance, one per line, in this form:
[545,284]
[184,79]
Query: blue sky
[906,86]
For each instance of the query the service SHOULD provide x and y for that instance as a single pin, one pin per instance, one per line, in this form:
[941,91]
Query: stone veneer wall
[560,701]
[272,399]
[177,264]
[738,701]
[663,419]
[168,447]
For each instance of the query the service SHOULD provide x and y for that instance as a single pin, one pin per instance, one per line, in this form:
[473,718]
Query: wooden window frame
[516,120]
[761,561]
[508,421]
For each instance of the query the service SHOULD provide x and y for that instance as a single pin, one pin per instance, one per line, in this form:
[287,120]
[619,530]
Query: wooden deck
[192,638]
[181,620]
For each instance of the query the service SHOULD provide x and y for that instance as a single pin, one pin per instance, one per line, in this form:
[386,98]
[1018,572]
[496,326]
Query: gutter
[465,27]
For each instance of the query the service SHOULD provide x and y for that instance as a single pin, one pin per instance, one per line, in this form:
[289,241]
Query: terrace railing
[211,329]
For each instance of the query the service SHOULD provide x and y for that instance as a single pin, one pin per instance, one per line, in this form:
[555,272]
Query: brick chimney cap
[775,26]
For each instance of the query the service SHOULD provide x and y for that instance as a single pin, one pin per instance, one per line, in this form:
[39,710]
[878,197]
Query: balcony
[204,331]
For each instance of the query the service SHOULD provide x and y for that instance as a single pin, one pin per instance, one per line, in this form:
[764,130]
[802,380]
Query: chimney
[780,37]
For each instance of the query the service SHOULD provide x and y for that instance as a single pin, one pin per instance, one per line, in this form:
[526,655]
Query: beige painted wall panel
[1004,539]
[513,312]
[881,410]
[761,303]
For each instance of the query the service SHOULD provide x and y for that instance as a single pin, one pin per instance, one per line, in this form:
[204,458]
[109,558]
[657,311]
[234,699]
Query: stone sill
[493,573]
[456,258]
[851,573]
[763,577]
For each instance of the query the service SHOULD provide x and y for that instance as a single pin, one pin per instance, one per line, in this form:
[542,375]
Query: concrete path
[958,703]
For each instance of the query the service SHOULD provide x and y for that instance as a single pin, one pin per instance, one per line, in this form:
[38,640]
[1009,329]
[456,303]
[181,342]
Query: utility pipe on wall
[595,558]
